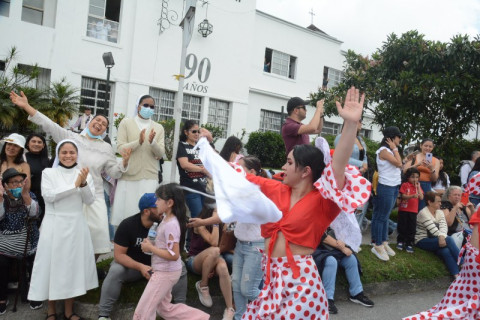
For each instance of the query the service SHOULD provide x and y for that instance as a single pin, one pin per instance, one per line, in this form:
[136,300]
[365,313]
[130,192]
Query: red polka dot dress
[462,298]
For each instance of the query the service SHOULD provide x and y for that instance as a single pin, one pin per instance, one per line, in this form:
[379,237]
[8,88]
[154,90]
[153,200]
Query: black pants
[5,265]
[406,227]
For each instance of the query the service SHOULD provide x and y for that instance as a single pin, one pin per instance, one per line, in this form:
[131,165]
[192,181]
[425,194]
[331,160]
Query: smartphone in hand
[429,157]
[464,199]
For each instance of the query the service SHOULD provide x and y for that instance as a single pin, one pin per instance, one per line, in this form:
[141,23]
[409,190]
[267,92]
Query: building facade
[238,77]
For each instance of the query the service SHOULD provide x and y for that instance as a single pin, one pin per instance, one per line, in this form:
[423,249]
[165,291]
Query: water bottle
[152,234]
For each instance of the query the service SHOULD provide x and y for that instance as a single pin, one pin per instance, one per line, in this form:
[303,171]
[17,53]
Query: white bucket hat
[17,139]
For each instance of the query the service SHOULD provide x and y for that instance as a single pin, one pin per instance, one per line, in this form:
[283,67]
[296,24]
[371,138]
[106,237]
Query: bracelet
[83,184]
[215,225]
[396,149]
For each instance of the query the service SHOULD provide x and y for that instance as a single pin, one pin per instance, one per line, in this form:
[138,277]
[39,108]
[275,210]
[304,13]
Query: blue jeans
[449,253]
[426,186]
[383,204]
[329,275]
[111,229]
[228,257]
[246,274]
[194,203]
[474,199]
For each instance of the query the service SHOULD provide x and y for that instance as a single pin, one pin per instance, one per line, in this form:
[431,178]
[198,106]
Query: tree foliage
[426,88]
[267,146]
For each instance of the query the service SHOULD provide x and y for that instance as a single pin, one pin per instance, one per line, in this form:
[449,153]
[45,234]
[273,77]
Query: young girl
[410,193]
[166,264]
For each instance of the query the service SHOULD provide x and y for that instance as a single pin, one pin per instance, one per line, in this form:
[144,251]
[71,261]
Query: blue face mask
[87,130]
[17,192]
[146,113]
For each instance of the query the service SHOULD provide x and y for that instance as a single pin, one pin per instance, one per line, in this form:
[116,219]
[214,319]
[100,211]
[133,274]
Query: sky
[363,25]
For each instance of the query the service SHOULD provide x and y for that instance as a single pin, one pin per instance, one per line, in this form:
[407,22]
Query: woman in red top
[310,197]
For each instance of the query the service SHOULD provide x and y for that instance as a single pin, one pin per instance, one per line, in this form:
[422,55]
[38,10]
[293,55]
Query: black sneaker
[409,249]
[3,307]
[361,299]
[34,305]
[332,309]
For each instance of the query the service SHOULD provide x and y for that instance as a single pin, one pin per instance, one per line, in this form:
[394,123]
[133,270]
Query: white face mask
[146,112]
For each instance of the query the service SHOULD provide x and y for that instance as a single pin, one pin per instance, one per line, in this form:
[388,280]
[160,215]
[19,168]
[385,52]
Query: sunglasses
[301,107]
[146,105]
[195,131]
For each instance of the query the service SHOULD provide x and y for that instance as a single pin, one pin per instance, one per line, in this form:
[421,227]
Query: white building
[225,81]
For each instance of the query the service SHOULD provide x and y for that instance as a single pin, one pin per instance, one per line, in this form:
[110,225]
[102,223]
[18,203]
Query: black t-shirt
[461,220]
[130,233]
[194,180]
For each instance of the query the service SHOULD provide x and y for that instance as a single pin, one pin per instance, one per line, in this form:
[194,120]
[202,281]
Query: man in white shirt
[467,167]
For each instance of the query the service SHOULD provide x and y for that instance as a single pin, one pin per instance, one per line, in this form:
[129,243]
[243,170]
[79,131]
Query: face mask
[146,113]
[87,130]
[17,192]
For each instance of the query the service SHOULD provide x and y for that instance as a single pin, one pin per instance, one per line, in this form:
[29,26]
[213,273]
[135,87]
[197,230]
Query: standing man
[83,120]
[467,167]
[293,131]
[130,263]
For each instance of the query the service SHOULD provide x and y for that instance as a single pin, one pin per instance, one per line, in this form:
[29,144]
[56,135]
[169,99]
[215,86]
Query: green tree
[63,101]
[426,88]
[267,146]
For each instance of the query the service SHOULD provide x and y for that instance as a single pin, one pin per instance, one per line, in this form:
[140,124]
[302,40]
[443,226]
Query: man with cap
[293,131]
[17,204]
[83,120]
[130,263]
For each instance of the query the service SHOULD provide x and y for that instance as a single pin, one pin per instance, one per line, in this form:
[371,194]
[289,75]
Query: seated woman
[456,214]
[205,260]
[328,256]
[443,181]
[17,204]
[465,304]
[432,235]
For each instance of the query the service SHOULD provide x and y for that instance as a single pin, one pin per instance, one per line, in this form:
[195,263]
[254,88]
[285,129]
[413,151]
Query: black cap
[10,173]
[392,132]
[296,102]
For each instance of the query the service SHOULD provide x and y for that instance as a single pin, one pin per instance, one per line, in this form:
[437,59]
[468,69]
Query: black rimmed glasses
[15,183]
[301,107]
[195,131]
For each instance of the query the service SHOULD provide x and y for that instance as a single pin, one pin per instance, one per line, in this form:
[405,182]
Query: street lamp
[109,63]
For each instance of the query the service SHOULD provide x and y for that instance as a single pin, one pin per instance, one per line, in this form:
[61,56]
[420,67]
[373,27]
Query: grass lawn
[404,266]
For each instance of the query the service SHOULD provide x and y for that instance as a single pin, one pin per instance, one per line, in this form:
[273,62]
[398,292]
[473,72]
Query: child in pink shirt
[410,192]
[166,265]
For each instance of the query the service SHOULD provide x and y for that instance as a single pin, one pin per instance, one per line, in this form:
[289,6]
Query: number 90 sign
[191,63]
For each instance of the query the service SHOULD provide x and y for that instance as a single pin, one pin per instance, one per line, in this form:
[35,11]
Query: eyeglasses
[301,107]
[195,131]
[15,183]
[146,105]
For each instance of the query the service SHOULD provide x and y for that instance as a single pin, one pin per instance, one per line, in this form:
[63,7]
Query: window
[164,104]
[92,94]
[103,19]
[218,115]
[331,128]
[279,63]
[270,121]
[41,82]
[366,133]
[32,11]
[4,8]
[192,107]
[331,77]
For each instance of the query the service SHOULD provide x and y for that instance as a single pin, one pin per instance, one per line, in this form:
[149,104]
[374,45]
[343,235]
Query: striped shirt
[429,226]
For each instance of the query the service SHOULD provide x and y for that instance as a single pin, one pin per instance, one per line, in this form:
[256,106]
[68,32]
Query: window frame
[162,111]
[30,7]
[281,63]
[97,106]
[216,115]
[270,125]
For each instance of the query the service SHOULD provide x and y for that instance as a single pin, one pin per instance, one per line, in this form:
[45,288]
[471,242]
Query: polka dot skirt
[473,185]
[462,298]
[288,298]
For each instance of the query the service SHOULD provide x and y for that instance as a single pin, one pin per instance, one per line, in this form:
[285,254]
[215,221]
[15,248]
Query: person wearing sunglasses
[294,132]
[146,139]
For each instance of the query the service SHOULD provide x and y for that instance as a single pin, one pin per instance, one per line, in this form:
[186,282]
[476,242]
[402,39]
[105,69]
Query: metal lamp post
[109,63]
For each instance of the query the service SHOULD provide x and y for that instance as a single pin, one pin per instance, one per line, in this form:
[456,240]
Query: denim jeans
[111,229]
[426,186]
[194,203]
[383,204]
[329,275]
[449,253]
[246,274]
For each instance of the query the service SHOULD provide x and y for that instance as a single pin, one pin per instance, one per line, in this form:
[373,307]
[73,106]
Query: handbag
[228,240]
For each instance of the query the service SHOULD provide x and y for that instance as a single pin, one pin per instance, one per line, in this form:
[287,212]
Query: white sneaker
[389,250]
[204,295]
[228,314]
[380,252]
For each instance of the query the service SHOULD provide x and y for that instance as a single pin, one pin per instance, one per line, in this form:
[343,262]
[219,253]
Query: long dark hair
[179,209]
[209,205]
[187,126]
[232,144]
[18,159]
[252,162]
[43,153]
[476,166]
[307,155]
[442,175]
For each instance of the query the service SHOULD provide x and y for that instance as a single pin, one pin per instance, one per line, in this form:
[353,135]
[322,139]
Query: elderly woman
[457,214]
[17,204]
[97,155]
[428,166]
[431,234]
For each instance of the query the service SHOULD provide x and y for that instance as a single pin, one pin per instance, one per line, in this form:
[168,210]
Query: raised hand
[126,156]
[82,177]
[142,137]
[19,100]
[353,106]
[390,143]
[26,186]
[151,136]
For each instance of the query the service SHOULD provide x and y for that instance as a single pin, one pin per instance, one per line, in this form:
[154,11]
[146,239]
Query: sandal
[54,315]
[71,316]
